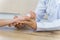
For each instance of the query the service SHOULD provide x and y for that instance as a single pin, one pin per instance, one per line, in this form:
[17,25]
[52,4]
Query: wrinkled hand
[30,21]
[25,20]
[16,24]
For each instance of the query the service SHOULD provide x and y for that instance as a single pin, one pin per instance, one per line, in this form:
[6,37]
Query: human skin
[26,20]
[4,22]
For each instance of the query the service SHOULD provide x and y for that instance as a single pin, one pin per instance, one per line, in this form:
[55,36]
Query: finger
[18,26]
[10,25]
[14,24]
[33,15]
[22,22]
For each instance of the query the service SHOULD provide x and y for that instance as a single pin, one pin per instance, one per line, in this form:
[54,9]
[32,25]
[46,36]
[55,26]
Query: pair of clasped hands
[22,21]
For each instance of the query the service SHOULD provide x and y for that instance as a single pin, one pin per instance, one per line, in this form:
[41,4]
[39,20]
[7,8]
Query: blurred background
[11,8]
[17,6]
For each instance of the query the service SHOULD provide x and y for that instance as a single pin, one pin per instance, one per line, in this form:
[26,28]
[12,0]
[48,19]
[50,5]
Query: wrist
[33,25]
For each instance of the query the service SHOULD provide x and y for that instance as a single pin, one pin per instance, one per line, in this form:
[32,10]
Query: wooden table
[12,34]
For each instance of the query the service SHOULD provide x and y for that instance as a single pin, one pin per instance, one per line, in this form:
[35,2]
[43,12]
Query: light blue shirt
[48,15]
[49,7]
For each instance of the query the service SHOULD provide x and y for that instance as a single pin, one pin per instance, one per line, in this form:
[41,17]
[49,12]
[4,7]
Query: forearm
[4,22]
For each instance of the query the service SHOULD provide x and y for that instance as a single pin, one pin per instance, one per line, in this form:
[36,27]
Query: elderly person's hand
[30,23]
[16,24]
[20,21]
[26,20]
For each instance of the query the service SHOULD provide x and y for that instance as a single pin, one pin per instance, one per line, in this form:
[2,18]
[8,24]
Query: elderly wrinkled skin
[30,21]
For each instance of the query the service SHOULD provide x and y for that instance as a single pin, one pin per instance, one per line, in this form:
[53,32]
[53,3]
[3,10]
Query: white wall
[17,6]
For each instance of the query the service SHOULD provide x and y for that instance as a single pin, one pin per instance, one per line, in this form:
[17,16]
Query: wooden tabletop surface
[13,34]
